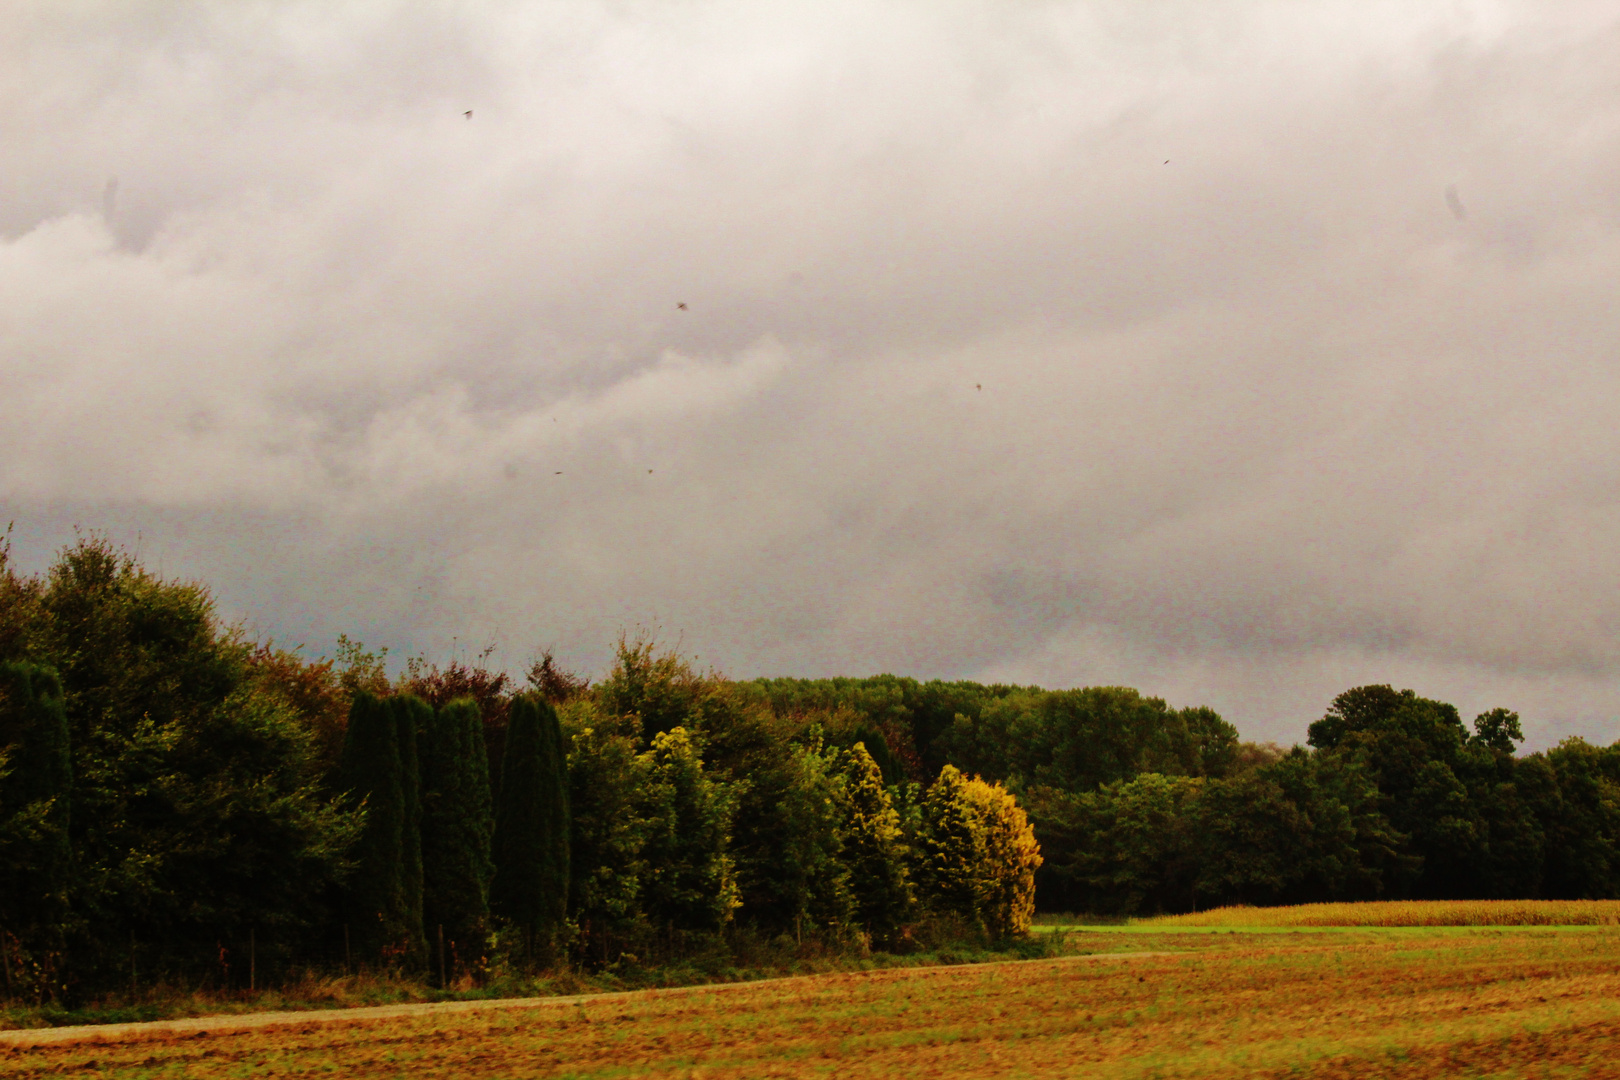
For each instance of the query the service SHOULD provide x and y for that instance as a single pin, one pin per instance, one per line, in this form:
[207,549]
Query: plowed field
[1516,1002]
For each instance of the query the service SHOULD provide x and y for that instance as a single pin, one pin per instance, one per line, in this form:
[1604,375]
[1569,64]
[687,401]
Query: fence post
[443,982]
[133,986]
[348,962]
[253,962]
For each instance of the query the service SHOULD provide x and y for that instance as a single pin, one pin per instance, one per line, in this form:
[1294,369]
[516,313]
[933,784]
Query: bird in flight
[649,472]
[681,306]
[556,474]
[468,114]
[978,386]
[1458,211]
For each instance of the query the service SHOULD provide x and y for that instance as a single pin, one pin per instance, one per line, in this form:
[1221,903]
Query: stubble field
[1208,1002]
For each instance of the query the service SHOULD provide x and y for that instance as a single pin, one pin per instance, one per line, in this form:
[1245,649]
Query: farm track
[220,1024]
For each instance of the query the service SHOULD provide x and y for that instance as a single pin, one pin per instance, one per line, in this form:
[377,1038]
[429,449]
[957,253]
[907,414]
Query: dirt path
[26,1037]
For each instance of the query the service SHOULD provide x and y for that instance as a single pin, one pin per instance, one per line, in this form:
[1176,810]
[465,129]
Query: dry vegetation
[1411,913]
[1370,1002]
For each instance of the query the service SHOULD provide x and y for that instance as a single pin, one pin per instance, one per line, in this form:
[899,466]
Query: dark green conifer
[35,780]
[411,714]
[530,887]
[456,830]
[373,775]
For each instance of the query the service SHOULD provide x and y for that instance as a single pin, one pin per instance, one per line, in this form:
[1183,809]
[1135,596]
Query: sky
[1238,352]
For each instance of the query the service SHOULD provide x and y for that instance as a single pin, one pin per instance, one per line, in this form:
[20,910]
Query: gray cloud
[1067,343]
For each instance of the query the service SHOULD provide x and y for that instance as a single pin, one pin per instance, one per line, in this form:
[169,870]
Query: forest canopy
[169,786]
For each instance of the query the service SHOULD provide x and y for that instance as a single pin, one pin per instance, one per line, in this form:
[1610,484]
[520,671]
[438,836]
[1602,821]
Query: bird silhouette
[1458,211]
[681,306]
[978,386]
[468,114]
[556,474]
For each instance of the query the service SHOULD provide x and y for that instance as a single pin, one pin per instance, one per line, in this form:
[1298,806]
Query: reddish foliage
[314,689]
[553,683]
[491,690]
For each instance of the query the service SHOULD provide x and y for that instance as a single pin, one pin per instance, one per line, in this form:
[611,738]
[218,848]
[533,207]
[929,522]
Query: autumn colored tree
[314,690]
[951,847]
[688,881]
[606,777]
[874,848]
[1006,894]
[979,854]
[551,681]
[490,691]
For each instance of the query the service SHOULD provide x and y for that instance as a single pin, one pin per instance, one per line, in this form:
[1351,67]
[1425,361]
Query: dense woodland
[176,798]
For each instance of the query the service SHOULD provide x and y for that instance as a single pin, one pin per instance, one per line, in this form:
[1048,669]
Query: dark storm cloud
[1239,352]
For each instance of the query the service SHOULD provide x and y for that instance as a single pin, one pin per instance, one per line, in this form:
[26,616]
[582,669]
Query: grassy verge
[738,961]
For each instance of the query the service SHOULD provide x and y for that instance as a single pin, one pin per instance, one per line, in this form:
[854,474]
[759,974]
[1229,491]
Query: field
[1412,913]
[1193,1002]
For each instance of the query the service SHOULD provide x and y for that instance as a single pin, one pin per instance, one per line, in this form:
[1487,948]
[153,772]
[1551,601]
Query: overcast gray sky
[1240,352]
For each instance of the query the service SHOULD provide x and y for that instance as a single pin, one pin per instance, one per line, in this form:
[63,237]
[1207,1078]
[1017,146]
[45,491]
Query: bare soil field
[1344,1002]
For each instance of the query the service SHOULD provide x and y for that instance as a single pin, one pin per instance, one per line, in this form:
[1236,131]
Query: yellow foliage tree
[979,854]
[1011,857]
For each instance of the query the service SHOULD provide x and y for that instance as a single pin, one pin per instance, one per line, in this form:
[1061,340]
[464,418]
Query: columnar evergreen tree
[411,714]
[873,848]
[35,790]
[531,841]
[372,773]
[456,829]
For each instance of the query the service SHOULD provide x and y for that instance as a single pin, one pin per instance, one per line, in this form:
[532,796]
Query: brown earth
[1346,1004]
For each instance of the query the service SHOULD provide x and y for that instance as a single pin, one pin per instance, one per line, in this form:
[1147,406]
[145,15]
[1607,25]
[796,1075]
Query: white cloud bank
[1239,352]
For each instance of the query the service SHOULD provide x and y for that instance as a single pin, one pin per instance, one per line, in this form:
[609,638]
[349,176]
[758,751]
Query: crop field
[1415,1002]
[1411,913]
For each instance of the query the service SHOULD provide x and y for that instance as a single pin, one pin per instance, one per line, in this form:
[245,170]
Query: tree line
[1143,808]
[172,791]
[179,802]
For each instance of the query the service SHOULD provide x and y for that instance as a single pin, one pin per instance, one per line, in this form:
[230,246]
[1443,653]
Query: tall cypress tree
[456,828]
[531,825]
[410,715]
[35,789]
[373,775]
